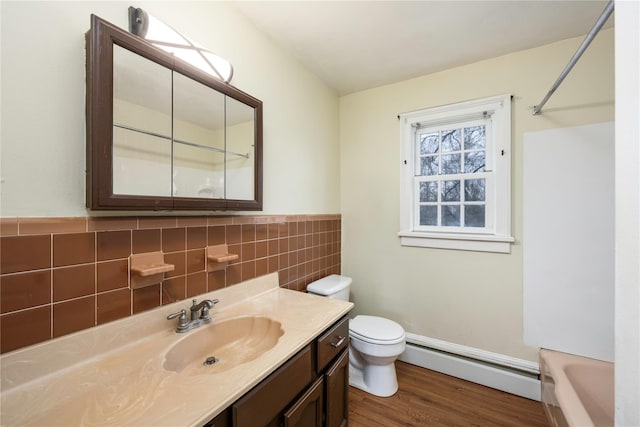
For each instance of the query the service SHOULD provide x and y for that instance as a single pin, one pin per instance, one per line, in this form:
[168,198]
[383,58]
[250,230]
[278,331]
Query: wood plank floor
[428,398]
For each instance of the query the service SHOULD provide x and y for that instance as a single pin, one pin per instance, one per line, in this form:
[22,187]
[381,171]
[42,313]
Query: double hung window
[455,189]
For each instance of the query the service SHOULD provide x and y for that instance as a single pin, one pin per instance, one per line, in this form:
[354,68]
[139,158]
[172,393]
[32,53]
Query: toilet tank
[333,286]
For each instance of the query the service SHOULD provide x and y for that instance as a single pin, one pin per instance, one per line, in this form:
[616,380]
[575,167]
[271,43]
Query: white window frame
[496,235]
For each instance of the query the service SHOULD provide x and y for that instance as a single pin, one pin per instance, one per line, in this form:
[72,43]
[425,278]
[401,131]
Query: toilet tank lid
[329,285]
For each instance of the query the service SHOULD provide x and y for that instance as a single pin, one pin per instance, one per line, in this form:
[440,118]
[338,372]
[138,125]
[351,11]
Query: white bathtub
[576,391]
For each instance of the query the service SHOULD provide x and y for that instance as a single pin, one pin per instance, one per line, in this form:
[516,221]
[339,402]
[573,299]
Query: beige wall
[43,95]
[468,298]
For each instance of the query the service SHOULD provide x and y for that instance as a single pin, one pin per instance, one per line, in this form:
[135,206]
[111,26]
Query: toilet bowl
[375,342]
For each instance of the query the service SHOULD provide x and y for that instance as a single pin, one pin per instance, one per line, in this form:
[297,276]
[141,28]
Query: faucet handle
[194,309]
[181,313]
[204,313]
[183,323]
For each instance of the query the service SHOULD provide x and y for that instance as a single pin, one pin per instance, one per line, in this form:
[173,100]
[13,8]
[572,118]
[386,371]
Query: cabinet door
[307,411]
[336,392]
[267,400]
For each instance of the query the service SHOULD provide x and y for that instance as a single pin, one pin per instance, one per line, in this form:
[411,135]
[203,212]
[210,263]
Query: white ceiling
[357,45]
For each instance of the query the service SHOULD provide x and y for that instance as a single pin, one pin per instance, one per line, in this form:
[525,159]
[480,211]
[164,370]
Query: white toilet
[375,342]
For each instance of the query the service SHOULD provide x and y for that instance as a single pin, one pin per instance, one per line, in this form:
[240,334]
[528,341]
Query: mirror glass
[162,134]
[240,138]
[141,125]
[199,140]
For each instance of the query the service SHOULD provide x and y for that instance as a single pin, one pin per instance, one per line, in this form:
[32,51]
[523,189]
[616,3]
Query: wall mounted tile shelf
[218,257]
[148,269]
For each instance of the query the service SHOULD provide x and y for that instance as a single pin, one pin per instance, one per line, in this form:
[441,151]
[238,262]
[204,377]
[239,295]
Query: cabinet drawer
[262,404]
[332,342]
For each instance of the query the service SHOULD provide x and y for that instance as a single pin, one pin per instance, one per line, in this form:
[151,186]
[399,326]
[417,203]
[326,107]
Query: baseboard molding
[512,375]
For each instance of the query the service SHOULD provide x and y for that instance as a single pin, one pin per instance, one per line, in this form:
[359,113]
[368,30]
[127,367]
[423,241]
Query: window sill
[464,242]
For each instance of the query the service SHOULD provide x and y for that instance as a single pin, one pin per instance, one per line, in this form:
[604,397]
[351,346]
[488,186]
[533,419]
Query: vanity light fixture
[163,36]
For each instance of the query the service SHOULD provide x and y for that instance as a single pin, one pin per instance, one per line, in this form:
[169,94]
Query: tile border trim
[24,226]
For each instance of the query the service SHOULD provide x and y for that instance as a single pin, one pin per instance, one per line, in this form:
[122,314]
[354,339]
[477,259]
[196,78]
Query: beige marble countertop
[113,374]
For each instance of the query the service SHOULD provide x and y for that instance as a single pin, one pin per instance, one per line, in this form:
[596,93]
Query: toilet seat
[376,330]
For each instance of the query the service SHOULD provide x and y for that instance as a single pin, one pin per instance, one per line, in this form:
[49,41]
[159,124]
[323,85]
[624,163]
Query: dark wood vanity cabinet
[309,390]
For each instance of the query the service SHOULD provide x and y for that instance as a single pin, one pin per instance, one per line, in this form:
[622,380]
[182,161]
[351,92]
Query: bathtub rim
[553,363]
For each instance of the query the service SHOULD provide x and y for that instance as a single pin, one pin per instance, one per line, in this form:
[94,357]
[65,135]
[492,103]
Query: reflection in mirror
[141,125]
[198,150]
[240,142]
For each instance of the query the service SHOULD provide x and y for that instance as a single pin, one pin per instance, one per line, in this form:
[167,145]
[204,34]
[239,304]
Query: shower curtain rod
[576,56]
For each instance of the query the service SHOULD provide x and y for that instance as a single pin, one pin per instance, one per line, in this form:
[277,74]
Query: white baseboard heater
[512,375]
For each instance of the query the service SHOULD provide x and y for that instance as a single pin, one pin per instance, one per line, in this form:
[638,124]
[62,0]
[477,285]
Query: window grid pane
[429,143]
[452,151]
[428,215]
[450,191]
[450,164]
[475,161]
[457,202]
[429,191]
[450,215]
[474,190]
[450,140]
[451,196]
[475,137]
[474,216]
[429,165]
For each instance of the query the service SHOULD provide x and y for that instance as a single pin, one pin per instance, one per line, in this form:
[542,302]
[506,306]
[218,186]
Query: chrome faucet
[199,315]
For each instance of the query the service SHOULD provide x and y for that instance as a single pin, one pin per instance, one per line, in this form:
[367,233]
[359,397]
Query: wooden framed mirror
[162,134]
